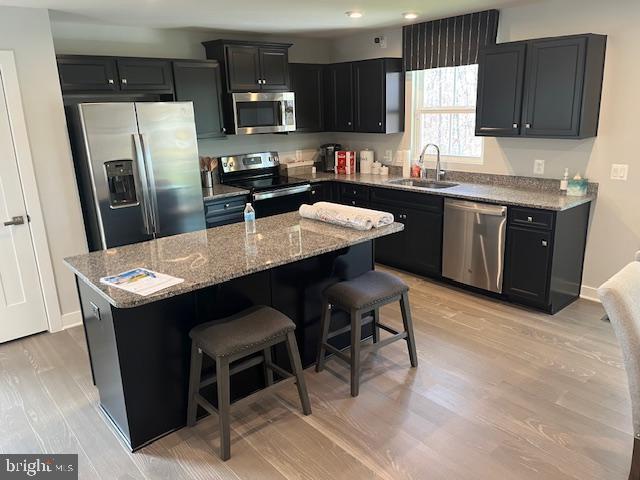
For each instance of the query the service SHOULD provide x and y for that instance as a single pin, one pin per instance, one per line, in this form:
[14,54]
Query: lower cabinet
[544,256]
[224,211]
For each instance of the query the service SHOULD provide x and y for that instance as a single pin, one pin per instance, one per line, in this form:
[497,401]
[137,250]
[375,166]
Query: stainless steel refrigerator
[138,171]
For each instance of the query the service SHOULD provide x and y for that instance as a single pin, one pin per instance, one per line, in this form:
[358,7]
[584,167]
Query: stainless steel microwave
[264,112]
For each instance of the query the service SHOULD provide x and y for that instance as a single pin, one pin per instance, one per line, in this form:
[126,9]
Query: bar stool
[234,338]
[360,296]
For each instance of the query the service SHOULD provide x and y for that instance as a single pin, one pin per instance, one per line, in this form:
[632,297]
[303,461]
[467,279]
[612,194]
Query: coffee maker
[328,156]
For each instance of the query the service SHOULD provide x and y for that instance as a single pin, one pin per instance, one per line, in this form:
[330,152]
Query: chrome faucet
[423,169]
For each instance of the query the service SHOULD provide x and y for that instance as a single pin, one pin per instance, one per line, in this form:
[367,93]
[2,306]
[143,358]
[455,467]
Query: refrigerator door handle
[144,184]
[151,183]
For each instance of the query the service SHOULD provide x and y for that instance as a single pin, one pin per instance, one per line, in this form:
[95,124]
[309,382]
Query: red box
[345,162]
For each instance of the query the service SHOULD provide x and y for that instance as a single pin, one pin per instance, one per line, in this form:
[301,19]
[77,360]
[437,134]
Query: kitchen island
[139,345]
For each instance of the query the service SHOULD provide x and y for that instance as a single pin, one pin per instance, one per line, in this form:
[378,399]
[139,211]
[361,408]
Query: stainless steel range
[271,192]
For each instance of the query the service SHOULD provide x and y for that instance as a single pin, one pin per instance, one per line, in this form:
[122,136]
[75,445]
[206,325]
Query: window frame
[417,110]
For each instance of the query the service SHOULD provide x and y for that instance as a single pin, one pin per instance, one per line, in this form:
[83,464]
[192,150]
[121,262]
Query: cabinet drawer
[531,217]
[354,191]
[419,201]
[224,206]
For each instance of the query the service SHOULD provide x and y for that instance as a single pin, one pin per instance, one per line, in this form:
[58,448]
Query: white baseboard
[71,319]
[589,293]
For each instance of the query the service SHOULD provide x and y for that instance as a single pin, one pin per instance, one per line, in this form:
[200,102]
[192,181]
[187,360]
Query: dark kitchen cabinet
[251,66]
[418,248]
[81,73]
[378,95]
[199,82]
[145,75]
[500,81]
[306,80]
[556,95]
[365,96]
[339,98]
[320,192]
[544,256]
[223,211]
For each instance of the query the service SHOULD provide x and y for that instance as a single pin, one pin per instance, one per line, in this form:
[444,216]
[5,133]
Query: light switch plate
[619,171]
[538,167]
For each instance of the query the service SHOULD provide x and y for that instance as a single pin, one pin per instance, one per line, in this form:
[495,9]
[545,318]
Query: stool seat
[246,330]
[368,289]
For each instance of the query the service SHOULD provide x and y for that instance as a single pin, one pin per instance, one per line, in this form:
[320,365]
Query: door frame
[17,123]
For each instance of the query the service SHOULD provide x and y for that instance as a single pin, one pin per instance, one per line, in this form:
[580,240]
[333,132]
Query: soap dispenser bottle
[564,183]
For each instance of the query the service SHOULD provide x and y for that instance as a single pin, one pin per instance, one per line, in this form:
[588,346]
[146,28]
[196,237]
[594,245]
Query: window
[444,106]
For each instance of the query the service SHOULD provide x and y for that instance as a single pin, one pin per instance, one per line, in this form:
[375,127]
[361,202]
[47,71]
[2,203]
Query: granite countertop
[222,191]
[216,255]
[517,195]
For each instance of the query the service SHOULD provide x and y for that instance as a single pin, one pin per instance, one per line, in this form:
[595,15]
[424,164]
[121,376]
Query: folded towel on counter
[346,216]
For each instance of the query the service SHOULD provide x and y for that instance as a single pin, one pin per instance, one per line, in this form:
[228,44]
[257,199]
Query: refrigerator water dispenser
[122,185]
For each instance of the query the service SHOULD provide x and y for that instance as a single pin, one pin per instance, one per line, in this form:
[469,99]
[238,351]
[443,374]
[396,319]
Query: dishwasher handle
[480,208]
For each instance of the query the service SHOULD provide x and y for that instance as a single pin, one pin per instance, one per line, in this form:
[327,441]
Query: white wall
[615,230]
[26,31]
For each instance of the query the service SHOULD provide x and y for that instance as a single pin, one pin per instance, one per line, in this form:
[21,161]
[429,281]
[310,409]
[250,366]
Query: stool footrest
[338,353]
[347,328]
[387,328]
[280,371]
[386,341]
[211,379]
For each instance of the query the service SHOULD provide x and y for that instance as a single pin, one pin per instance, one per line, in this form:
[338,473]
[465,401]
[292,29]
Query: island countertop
[216,255]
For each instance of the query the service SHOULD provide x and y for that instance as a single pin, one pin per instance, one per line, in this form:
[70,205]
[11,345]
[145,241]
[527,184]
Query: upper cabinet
[306,83]
[545,88]
[365,96]
[251,66]
[87,74]
[199,82]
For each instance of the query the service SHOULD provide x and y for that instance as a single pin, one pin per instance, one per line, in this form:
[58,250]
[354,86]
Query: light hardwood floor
[500,393]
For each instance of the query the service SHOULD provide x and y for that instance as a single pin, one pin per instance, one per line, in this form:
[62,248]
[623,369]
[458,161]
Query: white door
[21,302]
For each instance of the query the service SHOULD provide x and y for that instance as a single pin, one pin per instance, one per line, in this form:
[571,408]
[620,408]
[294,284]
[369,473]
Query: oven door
[264,112]
[282,200]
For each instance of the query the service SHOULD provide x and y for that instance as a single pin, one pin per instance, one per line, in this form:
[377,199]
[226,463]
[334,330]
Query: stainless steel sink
[422,183]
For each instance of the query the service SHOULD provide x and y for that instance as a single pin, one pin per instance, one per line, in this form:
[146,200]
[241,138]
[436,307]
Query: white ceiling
[299,17]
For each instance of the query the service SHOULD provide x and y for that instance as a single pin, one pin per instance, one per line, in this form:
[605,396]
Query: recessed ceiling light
[410,15]
[353,14]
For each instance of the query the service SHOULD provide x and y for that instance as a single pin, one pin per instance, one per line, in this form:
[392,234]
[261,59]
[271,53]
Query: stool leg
[356,336]
[195,371]
[224,406]
[408,327]
[376,328]
[325,321]
[268,373]
[296,366]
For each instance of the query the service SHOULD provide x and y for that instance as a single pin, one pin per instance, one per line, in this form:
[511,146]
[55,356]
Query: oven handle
[281,192]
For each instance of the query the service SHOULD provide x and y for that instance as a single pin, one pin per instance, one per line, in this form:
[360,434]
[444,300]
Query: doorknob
[15,221]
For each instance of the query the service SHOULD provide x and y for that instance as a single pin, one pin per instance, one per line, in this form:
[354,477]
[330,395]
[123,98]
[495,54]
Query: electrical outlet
[380,41]
[538,167]
[619,171]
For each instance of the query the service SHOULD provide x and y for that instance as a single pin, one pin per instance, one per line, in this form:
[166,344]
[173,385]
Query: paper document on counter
[141,281]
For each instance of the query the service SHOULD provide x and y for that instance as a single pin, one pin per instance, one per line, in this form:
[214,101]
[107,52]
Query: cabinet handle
[124,81]
[544,243]
[348,123]
[264,81]
[527,125]
[224,129]
[226,205]
[110,81]
[515,125]
[313,192]
[529,219]
[379,124]
[353,202]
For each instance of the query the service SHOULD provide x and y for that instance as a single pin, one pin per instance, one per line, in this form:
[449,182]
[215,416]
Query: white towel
[346,216]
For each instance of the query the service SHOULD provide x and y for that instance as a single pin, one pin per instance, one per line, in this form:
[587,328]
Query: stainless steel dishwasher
[473,243]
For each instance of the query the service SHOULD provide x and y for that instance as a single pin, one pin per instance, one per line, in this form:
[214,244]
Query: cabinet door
[145,75]
[369,94]
[318,192]
[500,82]
[527,264]
[199,82]
[339,98]
[306,84]
[553,94]
[87,74]
[243,68]
[424,242]
[391,249]
[274,68]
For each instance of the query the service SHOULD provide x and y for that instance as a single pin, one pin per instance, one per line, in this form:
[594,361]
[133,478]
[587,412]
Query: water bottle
[249,219]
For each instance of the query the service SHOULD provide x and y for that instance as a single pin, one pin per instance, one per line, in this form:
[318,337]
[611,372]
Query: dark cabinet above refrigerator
[545,88]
